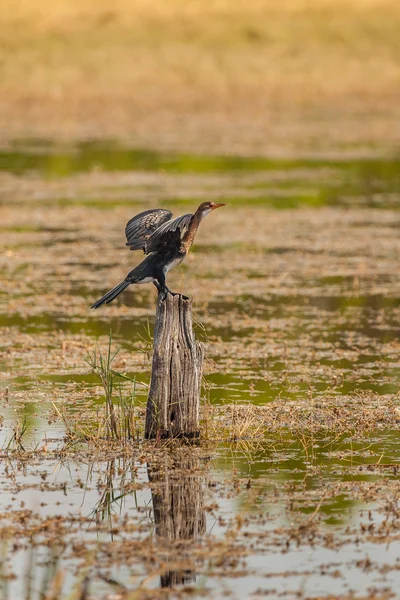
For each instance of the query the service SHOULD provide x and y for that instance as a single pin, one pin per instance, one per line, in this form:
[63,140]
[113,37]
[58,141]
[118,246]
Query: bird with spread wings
[164,240]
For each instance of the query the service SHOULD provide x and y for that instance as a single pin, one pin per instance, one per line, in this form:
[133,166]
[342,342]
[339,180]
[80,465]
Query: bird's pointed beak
[218,206]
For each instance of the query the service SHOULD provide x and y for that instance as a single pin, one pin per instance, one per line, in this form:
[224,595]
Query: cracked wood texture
[174,397]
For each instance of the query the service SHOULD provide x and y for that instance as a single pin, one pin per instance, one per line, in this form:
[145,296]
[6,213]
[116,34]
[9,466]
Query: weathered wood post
[174,396]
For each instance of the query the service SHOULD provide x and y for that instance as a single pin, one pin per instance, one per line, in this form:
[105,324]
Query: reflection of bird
[166,242]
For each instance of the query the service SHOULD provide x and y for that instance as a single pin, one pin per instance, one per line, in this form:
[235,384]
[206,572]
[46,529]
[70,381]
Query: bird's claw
[168,291]
[163,291]
[176,294]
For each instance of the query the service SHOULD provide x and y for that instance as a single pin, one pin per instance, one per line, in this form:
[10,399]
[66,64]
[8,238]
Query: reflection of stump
[174,397]
[178,512]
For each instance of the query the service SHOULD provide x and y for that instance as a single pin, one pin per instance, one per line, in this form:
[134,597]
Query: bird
[164,240]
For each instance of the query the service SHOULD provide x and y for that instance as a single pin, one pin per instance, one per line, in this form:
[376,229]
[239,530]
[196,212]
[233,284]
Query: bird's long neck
[191,231]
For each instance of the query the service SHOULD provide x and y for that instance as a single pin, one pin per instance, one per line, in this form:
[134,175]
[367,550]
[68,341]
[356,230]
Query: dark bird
[165,240]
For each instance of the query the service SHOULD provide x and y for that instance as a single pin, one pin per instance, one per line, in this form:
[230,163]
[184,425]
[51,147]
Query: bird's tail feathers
[109,297]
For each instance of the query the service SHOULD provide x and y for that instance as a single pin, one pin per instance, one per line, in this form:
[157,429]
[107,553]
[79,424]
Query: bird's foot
[168,291]
[175,293]
[164,291]
[161,289]
[178,294]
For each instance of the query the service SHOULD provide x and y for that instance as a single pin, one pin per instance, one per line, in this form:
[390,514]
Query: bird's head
[206,207]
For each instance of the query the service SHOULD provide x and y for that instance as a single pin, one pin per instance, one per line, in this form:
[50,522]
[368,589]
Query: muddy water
[296,290]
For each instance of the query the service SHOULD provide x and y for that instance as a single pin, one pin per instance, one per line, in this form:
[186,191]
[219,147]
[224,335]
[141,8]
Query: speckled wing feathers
[165,232]
[140,227]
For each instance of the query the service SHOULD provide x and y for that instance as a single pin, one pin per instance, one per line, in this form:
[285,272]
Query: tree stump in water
[174,397]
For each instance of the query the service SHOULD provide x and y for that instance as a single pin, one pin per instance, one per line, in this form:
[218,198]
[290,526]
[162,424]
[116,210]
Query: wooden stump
[174,397]
[179,516]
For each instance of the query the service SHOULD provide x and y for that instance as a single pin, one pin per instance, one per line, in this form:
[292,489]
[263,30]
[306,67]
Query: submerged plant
[20,430]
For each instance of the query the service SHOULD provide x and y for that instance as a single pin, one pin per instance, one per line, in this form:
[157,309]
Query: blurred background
[288,111]
[244,76]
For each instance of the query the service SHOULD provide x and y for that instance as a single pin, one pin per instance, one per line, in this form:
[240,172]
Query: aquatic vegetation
[299,311]
[119,419]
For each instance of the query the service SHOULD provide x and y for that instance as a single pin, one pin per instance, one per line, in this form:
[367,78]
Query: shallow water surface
[299,310]
[254,520]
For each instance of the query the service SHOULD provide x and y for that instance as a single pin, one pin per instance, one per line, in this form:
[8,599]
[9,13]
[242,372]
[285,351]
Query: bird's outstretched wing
[140,227]
[169,233]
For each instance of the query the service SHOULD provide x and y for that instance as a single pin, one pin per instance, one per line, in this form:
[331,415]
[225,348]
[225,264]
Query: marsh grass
[101,366]
[119,419]
[116,420]
[20,431]
[145,346]
[354,416]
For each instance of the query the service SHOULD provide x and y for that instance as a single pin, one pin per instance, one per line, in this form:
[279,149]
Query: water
[296,293]
[274,534]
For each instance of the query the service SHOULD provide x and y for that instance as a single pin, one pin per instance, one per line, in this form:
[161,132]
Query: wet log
[179,515]
[174,397]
